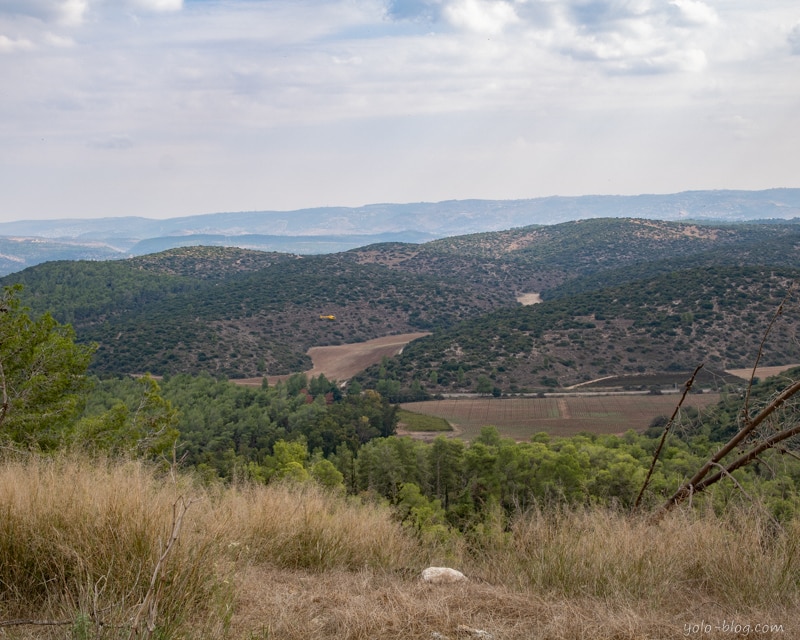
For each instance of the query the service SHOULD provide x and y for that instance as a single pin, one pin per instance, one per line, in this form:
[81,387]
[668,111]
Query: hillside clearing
[340,362]
[529,298]
[343,361]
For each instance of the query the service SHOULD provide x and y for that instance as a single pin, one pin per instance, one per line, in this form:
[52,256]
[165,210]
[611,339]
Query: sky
[166,108]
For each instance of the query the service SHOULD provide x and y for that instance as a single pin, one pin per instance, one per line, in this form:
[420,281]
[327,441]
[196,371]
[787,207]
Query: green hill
[239,313]
[623,297]
[671,323]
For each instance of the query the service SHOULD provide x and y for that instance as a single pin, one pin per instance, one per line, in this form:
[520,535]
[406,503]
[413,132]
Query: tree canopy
[42,375]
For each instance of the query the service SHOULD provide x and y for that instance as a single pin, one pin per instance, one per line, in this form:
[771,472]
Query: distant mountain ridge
[334,229]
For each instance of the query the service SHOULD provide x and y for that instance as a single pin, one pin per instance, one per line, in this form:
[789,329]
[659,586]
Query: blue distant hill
[333,229]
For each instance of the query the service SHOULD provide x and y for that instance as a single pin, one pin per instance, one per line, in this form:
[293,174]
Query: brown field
[520,418]
[761,372]
[341,362]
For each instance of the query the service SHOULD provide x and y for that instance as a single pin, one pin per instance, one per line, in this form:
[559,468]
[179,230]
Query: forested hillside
[672,323]
[623,297]
[239,313]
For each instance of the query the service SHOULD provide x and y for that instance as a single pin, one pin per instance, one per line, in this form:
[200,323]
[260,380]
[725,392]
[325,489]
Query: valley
[504,320]
[539,309]
[555,355]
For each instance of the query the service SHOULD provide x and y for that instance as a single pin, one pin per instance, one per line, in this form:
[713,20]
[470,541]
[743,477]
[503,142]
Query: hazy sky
[165,108]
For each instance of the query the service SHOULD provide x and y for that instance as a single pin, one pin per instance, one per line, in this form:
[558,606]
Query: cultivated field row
[520,418]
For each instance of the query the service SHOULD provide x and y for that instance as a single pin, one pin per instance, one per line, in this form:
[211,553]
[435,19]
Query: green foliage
[228,429]
[472,485]
[424,516]
[146,428]
[42,375]
[327,475]
[198,309]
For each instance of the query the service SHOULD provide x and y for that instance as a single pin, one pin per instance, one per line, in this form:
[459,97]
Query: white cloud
[636,36]
[481,16]
[794,39]
[11,45]
[157,5]
[66,12]
[695,12]
[55,40]
[114,141]
[289,103]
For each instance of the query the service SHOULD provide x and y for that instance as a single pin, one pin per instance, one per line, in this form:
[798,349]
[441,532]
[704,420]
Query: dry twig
[152,597]
[667,427]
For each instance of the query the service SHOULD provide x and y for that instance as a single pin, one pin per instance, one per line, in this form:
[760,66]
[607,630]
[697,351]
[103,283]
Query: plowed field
[520,418]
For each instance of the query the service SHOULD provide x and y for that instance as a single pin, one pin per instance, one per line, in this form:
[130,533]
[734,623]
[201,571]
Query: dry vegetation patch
[79,540]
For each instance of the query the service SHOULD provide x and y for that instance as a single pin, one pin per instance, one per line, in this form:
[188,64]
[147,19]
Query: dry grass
[79,540]
[303,527]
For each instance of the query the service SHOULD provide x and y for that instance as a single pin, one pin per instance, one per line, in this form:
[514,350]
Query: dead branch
[776,315]
[667,427]
[5,404]
[698,481]
[788,452]
[151,598]
[31,621]
[725,472]
[751,455]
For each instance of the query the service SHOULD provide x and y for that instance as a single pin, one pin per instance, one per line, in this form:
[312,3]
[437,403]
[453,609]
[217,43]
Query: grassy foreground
[118,550]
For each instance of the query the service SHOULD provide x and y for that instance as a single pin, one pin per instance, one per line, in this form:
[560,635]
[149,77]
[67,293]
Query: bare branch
[778,313]
[150,601]
[31,621]
[751,455]
[667,427]
[697,480]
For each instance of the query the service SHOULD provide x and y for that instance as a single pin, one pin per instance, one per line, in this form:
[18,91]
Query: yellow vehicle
[330,317]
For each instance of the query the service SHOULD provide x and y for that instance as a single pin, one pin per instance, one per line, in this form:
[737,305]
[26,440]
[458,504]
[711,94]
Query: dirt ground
[761,372]
[341,362]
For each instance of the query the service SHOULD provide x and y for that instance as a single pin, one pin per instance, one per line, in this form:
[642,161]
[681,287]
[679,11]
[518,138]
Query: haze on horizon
[166,108]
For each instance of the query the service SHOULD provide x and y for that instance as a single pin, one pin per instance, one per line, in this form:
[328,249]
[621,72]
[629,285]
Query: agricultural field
[519,418]
[410,421]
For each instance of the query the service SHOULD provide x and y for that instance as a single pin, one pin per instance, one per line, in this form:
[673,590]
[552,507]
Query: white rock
[442,575]
[475,633]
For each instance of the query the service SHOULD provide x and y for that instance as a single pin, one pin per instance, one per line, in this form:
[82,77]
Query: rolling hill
[622,297]
[634,334]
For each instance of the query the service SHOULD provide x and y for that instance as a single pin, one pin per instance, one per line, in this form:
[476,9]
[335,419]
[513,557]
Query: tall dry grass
[739,558]
[305,527]
[80,539]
